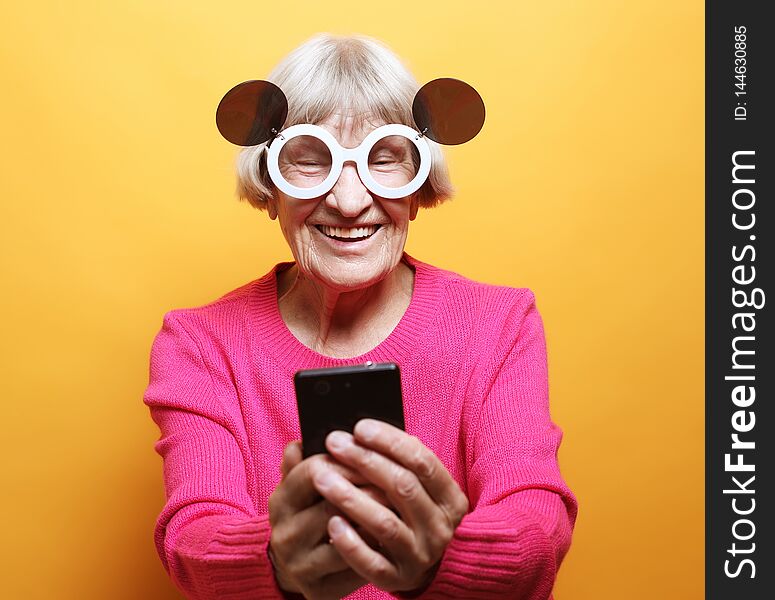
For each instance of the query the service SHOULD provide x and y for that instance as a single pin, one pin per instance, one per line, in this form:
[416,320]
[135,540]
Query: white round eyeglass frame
[340,155]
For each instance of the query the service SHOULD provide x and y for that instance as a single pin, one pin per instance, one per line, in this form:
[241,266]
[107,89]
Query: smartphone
[338,397]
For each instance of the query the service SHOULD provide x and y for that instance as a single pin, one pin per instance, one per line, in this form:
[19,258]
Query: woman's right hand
[304,561]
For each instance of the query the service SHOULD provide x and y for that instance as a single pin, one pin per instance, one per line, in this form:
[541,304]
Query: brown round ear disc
[249,112]
[449,110]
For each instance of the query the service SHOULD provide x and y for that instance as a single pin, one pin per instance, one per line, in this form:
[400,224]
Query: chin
[353,276]
[344,282]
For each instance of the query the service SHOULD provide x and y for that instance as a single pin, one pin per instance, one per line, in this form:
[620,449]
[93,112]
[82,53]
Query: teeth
[348,232]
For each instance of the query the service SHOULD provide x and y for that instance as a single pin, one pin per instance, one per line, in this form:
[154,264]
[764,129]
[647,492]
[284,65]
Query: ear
[271,207]
[448,111]
[414,206]
[250,111]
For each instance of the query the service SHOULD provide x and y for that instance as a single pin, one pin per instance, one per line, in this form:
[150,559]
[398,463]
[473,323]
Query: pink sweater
[474,376]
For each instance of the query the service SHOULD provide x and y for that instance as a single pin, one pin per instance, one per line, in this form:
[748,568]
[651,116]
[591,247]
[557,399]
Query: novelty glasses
[393,161]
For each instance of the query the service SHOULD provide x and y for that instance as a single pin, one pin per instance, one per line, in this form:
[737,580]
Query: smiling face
[347,238]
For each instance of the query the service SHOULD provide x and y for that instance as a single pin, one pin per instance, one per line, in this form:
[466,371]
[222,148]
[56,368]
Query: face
[348,238]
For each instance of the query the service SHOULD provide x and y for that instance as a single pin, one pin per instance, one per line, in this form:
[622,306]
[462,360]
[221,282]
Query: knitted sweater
[473,368]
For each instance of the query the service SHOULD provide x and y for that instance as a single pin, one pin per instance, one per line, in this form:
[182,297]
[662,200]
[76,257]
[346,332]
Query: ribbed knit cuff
[225,557]
[496,552]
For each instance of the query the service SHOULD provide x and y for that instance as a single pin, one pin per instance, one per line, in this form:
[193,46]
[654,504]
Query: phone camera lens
[322,387]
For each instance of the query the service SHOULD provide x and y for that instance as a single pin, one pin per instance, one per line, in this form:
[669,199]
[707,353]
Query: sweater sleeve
[211,540]
[521,515]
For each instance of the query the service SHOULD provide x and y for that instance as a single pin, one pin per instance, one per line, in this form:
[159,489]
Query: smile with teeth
[348,234]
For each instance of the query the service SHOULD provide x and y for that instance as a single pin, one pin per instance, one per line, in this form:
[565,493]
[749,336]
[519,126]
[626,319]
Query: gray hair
[330,73]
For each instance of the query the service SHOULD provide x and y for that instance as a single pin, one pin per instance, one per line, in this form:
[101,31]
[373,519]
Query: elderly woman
[468,501]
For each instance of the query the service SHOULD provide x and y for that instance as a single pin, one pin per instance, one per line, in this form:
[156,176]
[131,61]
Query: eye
[383,158]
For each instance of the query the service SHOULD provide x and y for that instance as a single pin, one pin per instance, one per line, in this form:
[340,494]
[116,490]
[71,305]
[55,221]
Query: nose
[349,196]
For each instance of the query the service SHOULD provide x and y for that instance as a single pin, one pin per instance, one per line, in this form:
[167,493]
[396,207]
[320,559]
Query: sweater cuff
[226,557]
[495,552]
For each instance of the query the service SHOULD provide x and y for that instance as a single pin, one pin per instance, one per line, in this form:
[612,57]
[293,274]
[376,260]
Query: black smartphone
[338,397]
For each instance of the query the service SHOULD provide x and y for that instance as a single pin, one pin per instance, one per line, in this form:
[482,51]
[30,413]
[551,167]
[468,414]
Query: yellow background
[586,184]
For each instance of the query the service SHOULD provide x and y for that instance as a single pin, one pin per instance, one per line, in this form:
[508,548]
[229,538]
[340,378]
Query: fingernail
[337,526]
[339,440]
[327,479]
[366,428]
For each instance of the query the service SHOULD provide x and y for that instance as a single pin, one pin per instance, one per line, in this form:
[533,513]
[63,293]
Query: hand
[429,501]
[303,559]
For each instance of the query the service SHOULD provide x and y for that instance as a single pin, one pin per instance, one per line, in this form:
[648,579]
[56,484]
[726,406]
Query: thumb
[292,456]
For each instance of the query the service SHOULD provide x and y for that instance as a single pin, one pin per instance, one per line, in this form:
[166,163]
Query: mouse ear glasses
[393,161]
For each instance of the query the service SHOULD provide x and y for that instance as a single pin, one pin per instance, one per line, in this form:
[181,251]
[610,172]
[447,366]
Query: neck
[343,323]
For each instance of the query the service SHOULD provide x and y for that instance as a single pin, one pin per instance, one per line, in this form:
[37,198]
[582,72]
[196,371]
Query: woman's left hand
[429,501]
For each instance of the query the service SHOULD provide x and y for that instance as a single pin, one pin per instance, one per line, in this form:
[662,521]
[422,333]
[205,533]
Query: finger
[381,522]
[292,456]
[401,486]
[415,456]
[296,492]
[306,529]
[363,560]
[320,561]
[377,495]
